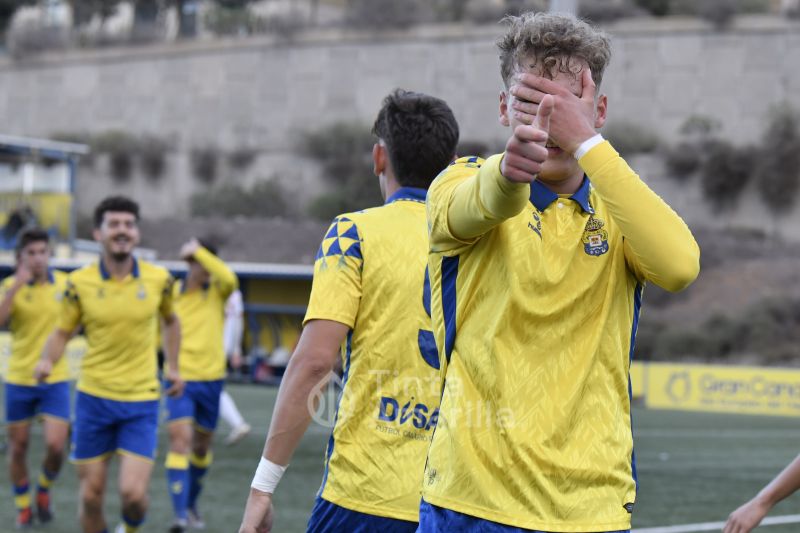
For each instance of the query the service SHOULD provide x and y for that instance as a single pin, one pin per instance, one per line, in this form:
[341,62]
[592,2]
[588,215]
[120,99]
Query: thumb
[542,120]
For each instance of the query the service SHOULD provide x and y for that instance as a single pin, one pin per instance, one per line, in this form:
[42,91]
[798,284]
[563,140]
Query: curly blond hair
[552,42]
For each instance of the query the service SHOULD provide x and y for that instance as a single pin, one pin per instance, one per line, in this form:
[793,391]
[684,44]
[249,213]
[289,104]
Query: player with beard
[118,300]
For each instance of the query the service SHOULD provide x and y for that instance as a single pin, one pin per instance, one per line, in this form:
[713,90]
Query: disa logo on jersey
[391,411]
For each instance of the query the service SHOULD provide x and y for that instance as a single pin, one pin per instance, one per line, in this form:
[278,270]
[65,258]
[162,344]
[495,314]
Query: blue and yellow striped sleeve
[659,247]
[468,199]
[70,316]
[336,288]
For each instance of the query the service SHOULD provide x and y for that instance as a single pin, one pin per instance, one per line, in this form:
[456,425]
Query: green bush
[717,11]
[658,8]
[699,127]
[242,158]
[267,198]
[121,148]
[204,161]
[344,150]
[768,330]
[222,20]
[631,138]
[609,10]
[152,152]
[725,173]
[683,160]
[469,148]
[777,167]
[384,13]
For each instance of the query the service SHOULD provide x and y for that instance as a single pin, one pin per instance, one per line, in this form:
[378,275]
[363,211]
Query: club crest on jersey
[595,238]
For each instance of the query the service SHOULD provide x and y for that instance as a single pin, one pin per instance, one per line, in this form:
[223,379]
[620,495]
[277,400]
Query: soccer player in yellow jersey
[31,299]
[368,296]
[118,300]
[538,258]
[200,306]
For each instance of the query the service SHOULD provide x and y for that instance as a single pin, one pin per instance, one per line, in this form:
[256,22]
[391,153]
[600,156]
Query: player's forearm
[55,345]
[484,200]
[237,329]
[218,269]
[306,374]
[172,342]
[787,482]
[662,244]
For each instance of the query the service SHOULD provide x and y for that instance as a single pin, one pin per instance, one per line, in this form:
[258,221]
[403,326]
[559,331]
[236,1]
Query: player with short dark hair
[30,301]
[118,300]
[192,416]
[369,298]
[537,264]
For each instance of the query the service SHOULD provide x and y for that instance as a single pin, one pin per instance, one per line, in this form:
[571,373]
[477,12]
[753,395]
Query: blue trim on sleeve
[449,276]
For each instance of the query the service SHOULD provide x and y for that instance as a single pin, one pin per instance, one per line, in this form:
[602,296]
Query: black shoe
[43,512]
[177,528]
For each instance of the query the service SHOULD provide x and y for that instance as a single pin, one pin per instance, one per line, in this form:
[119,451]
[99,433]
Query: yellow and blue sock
[22,498]
[131,525]
[198,466]
[46,479]
[178,482]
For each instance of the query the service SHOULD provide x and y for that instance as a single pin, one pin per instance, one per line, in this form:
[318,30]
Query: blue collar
[542,197]
[106,276]
[414,194]
[51,279]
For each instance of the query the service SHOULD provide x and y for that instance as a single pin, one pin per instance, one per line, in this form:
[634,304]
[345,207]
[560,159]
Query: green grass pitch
[693,467]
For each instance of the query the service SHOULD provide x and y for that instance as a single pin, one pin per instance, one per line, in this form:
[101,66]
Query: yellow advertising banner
[638,379]
[75,350]
[723,389]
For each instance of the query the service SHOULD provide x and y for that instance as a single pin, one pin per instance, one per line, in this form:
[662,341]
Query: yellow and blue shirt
[120,320]
[35,308]
[535,301]
[202,316]
[370,275]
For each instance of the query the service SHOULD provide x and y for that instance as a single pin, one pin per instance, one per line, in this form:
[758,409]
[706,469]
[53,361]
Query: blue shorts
[199,401]
[433,519]
[327,517]
[104,426]
[24,402]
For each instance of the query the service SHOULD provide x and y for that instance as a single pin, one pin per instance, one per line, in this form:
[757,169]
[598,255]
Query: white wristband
[587,145]
[268,475]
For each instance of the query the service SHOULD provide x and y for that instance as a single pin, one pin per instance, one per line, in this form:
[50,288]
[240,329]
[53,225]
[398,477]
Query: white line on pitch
[716,526]
[724,433]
